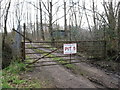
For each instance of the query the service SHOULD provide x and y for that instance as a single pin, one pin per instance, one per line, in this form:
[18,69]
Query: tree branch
[36,7]
[57,9]
[5,28]
[45,7]
[22,35]
[96,13]
[62,16]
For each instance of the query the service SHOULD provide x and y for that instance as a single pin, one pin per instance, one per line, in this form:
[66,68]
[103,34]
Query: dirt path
[97,75]
[63,78]
[60,76]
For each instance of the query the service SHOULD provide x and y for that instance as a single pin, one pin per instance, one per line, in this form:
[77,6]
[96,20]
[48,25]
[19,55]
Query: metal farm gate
[63,52]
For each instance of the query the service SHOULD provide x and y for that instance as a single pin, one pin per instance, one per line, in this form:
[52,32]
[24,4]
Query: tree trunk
[110,13]
[5,23]
[50,24]
[65,20]
[41,24]
[37,36]
[94,21]
[119,29]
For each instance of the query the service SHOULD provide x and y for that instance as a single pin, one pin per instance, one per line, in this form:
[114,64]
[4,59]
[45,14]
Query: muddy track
[62,77]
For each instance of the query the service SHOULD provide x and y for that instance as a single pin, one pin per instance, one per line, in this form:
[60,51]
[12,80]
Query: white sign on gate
[70,48]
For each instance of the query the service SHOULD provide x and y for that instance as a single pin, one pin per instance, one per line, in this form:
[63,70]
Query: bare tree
[5,23]
[65,20]
[87,17]
[37,22]
[50,23]
[41,23]
[0,17]
[75,14]
[80,16]
[49,10]
[118,27]
[111,12]
[18,38]
[94,15]
[95,21]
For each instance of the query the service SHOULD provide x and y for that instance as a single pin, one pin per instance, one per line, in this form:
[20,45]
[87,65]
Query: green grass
[29,45]
[70,66]
[28,60]
[53,48]
[58,59]
[39,51]
[51,55]
[11,77]
[16,67]
[62,61]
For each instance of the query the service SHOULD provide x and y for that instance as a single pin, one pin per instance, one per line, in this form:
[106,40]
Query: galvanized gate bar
[54,64]
[85,46]
[36,47]
[66,41]
[47,57]
[58,60]
[44,55]
[38,53]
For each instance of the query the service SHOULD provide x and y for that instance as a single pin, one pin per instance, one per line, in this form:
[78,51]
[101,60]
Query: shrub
[6,55]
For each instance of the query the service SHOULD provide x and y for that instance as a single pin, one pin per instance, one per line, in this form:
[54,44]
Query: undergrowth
[11,77]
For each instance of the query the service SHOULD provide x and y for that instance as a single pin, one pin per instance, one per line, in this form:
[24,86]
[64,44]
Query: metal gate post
[105,54]
[23,50]
[23,44]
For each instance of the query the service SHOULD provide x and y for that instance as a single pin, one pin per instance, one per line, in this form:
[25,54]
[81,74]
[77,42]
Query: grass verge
[11,77]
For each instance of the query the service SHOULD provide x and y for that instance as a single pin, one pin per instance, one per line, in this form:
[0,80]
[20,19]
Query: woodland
[60,20]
